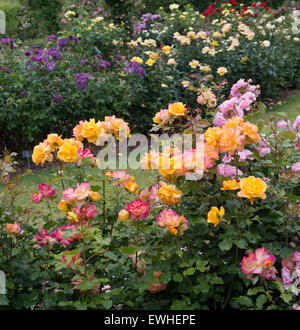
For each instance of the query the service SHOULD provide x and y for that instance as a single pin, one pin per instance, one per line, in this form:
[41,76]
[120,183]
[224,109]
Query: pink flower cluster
[228,170]
[242,95]
[260,263]
[58,236]
[290,272]
[45,191]
[76,197]
[138,209]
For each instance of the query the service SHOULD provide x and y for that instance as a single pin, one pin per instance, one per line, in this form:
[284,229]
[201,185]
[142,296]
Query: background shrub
[11,10]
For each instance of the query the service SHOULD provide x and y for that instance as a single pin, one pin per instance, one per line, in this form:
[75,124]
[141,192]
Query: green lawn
[291,107]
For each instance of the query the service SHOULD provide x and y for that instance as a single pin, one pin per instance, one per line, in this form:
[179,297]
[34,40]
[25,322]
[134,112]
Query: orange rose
[132,186]
[169,194]
[95,196]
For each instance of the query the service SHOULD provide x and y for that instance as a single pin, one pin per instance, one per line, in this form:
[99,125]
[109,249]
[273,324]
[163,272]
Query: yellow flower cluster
[250,188]
[92,130]
[67,149]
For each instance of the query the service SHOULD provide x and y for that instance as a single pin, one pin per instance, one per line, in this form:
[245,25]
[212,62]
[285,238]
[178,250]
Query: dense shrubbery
[91,68]
[217,230]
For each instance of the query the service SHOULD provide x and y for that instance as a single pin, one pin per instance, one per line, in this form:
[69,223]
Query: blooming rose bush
[218,228]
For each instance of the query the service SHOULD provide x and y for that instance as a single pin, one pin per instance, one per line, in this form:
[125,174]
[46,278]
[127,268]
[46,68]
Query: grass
[290,107]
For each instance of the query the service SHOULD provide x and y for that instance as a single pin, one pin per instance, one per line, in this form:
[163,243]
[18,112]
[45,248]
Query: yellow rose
[177,109]
[54,141]
[166,49]
[68,152]
[230,185]
[150,62]
[214,216]
[169,194]
[252,188]
[41,153]
[137,59]
[91,130]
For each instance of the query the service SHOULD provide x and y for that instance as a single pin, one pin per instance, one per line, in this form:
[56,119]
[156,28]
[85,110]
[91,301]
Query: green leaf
[107,304]
[2,282]
[225,245]
[178,305]
[286,297]
[201,265]
[128,249]
[177,277]
[254,291]
[86,285]
[189,271]
[165,277]
[245,301]
[111,255]
[260,301]
[242,244]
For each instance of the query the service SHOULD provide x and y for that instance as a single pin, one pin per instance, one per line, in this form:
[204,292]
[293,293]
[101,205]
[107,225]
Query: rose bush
[217,229]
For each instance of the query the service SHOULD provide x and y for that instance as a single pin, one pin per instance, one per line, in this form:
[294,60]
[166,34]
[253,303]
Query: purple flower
[75,39]
[135,68]
[50,66]
[54,53]
[52,36]
[27,53]
[62,42]
[24,94]
[104,64]
[118,58]
[57,98]
[81,79]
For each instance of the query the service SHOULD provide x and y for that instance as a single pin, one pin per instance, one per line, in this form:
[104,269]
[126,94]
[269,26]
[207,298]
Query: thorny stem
[104,202]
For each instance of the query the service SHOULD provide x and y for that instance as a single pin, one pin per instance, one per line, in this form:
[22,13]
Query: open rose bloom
[260,263]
